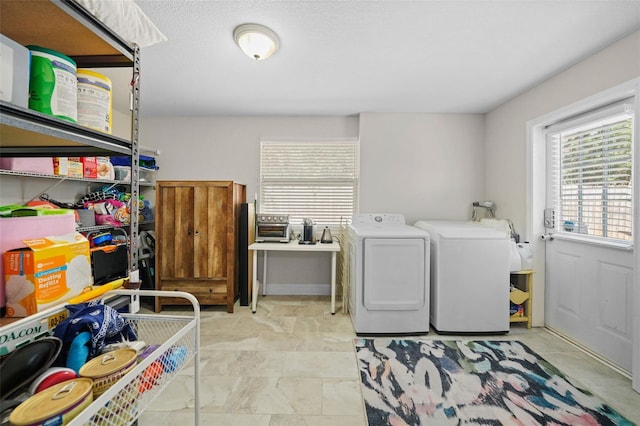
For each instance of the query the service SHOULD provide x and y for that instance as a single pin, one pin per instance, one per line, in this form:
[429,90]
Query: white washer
[389,275]
[469,277]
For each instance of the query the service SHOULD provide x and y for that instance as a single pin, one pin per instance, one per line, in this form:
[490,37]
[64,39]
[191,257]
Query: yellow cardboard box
[60,166]
[74,169]
[47,272]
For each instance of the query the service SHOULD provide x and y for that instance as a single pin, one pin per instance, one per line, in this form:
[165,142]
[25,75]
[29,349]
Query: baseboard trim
[299,289]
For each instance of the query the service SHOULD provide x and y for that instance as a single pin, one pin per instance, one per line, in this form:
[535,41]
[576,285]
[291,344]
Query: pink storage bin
[28,164]
[15,229]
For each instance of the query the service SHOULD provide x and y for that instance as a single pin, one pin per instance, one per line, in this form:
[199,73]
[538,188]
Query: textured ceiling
[346,57]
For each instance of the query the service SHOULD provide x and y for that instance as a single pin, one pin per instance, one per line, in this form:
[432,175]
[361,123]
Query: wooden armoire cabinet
[197,240]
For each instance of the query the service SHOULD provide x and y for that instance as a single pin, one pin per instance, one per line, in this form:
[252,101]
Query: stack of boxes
[77,167]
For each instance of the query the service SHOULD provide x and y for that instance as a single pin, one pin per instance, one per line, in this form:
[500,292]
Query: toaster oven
[272,228]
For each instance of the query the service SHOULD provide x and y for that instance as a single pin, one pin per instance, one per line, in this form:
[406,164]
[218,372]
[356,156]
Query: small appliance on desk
[308,235]
[272,228]
[326,236]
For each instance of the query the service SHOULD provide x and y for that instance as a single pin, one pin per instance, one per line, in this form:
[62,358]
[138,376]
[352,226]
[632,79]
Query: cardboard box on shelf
[47,272]
[105,168]
[90,167]
[74,169]
[61,166]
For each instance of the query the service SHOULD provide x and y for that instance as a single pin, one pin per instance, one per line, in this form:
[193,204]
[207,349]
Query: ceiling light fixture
[257,41]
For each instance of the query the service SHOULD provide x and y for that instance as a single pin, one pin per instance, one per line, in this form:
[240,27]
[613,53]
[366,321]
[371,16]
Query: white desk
[333,248]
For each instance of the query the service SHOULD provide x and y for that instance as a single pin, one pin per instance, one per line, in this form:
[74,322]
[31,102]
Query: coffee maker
[307,236]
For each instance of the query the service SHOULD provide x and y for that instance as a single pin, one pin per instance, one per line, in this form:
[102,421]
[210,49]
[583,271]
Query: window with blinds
[592,157]
[310,179]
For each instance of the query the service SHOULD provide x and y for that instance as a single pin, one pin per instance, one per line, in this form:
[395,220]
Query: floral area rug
[438,382]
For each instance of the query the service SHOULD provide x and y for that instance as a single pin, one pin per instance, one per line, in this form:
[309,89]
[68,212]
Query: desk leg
[264,274]
[254,290]
[333,283]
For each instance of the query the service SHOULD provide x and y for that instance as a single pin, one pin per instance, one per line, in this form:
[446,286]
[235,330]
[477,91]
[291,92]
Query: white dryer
[389,275]
[469,277]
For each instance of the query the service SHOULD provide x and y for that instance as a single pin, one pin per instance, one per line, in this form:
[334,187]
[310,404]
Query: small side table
[332,248]
[522,295]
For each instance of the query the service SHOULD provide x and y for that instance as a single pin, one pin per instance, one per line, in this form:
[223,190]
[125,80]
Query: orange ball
[150,376]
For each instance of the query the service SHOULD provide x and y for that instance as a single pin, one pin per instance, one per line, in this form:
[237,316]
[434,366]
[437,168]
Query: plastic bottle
[515,260]
[524,249]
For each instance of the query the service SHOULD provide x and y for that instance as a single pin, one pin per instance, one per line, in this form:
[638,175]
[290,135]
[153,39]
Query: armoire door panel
[218,230]
[202,254]
[184,246]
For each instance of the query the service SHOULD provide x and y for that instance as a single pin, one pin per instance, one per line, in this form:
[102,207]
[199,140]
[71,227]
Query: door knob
[546,237]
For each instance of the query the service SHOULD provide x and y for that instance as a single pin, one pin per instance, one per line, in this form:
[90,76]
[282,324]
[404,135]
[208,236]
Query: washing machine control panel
[396,219]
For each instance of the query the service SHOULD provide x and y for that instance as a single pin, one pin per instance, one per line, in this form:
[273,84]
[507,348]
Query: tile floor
[293,363]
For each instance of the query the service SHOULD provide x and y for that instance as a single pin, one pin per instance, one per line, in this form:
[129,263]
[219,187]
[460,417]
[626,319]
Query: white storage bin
[122,173]
[147,175]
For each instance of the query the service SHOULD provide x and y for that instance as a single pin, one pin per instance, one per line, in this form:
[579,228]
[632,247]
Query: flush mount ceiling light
[257,41]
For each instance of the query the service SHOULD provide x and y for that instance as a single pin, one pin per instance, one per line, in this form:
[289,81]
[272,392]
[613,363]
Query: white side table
[332,248]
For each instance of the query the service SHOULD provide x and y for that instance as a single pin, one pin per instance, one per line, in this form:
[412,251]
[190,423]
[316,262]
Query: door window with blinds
[310,179]
[591,168]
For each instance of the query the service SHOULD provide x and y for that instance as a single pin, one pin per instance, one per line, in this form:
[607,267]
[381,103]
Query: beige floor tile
[206,418]
[298,311]
[264,324]
[271,395]
[341,397]
[293,364]
[243,363]
[297,420]
[320,364]
[230,341]
[179,394]
[290,342]
[328,323]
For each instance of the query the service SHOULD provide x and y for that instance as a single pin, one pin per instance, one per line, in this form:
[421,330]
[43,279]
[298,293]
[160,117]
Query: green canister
[53,84]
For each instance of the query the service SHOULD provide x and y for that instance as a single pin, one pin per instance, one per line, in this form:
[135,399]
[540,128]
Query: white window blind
[592,173]
[310,179]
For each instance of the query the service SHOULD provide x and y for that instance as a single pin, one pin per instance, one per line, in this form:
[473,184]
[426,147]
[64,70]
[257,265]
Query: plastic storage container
[42,165]
[14,72]
[53,85]
[94,100]
[122,173]
[524,249]
[147,175]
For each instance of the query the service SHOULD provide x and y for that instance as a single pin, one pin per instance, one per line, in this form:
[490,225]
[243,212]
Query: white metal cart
[127,398]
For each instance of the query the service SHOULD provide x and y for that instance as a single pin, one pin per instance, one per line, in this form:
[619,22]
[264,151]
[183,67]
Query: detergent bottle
[524,249]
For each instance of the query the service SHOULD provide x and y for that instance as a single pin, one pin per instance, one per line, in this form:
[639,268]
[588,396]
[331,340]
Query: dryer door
[395,277]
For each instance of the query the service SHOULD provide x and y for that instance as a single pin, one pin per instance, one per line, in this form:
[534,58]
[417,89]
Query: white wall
[425,166]
[228,148]
[506,142]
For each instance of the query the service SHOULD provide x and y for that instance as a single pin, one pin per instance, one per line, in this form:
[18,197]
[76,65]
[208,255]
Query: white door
[589,261]
[588,297]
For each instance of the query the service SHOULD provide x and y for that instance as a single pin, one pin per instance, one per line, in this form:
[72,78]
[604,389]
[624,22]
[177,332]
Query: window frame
[269,180]
[599,115]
